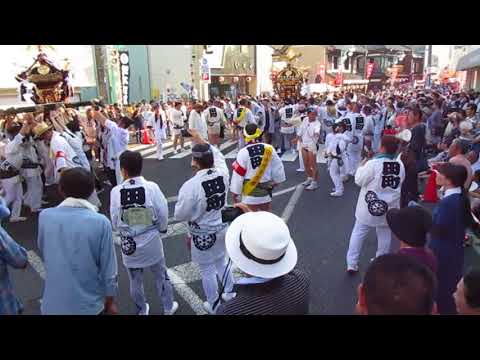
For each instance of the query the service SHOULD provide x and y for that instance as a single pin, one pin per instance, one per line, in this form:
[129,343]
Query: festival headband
[249,138]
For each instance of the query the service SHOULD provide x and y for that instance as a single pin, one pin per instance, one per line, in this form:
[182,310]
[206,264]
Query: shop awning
[469,61]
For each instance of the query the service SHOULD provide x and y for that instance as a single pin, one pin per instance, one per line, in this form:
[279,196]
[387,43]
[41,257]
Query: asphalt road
[320,226]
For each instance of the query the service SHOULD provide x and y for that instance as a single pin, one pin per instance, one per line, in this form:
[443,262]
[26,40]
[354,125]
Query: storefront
[236,74]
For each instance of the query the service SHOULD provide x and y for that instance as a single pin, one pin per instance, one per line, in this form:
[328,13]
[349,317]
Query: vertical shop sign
[125,75]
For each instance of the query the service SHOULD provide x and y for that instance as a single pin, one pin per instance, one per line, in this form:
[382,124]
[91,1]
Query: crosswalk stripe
[290,156]
[232,154]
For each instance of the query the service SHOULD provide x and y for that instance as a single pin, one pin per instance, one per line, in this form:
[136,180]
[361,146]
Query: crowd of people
[388,143]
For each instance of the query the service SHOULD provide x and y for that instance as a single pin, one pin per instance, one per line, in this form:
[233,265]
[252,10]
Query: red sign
[205,76]
[339,78]
[321,72]
[370,69]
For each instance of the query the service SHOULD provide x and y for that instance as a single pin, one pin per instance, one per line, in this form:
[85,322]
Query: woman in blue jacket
[451,217]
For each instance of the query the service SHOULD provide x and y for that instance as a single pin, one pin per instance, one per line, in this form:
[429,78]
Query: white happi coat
[141,245]
[160,127]
[335,143]
[355,124]
[249,118]
[381,181]
[214,117]
[246,166]
[200,202]
[30,159]
[309,132]
[196,121]
[287,113]
[62,154]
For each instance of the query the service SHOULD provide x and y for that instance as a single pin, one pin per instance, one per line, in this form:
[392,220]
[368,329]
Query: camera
[230,213]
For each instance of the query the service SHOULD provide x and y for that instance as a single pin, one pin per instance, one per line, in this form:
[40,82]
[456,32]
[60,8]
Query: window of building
[335,62]
[346,63]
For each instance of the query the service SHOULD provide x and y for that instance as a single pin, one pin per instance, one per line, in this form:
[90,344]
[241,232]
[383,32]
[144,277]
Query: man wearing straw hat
[260,245]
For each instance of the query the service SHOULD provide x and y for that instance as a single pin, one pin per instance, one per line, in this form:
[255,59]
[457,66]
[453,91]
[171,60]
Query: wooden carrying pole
[44,107]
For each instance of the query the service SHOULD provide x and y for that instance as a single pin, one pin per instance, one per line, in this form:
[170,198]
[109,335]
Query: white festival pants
[159,148]
[336,174]
[300,156]
[162,285]
[359,233]
[13,195]
[33,196]
[210,272]
[353,160]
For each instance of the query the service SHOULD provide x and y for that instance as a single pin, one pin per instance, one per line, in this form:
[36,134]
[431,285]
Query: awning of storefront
[469,61]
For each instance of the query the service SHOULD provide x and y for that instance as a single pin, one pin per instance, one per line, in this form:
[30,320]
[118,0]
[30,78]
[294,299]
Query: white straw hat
[259,243]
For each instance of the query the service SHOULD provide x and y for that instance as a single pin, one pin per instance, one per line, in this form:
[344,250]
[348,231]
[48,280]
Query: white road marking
[227,144]
[284,191]
[287,212]
[190,272]
[186,292]
[290,156]
[36,263]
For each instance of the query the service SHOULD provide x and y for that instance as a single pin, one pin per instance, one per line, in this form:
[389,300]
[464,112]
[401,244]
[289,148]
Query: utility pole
[429,65]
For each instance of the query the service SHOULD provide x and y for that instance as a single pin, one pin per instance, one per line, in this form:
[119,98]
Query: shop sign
[125,76]
[370,69]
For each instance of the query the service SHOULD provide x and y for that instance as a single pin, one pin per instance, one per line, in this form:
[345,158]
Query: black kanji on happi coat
[390,174]
[215,193]
[256,152]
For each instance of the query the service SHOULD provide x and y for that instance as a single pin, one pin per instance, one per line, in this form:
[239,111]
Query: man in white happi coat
[119,139]
[177,118]
[287,129]
[160,127]
[197,122]
[380,180]
[31,172]
[200,202]
[241,118]
[215,119]
[139,212]
[335,150]
[13,161]
[256,171]
[62,154]
[355,123]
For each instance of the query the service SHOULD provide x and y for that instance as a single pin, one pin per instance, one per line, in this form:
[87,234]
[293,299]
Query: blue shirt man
[75,243]
[11,254]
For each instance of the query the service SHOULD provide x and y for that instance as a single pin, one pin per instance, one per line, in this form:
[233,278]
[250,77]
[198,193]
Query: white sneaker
[17,219]
[229,296]
[173,310]
[300,170]
[336,194]
[208,308]
[313,185]
[307,182]
[146,312]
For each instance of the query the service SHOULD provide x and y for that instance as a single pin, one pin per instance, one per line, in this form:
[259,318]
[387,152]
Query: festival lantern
[248,79]
[235,79]
[221,79]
